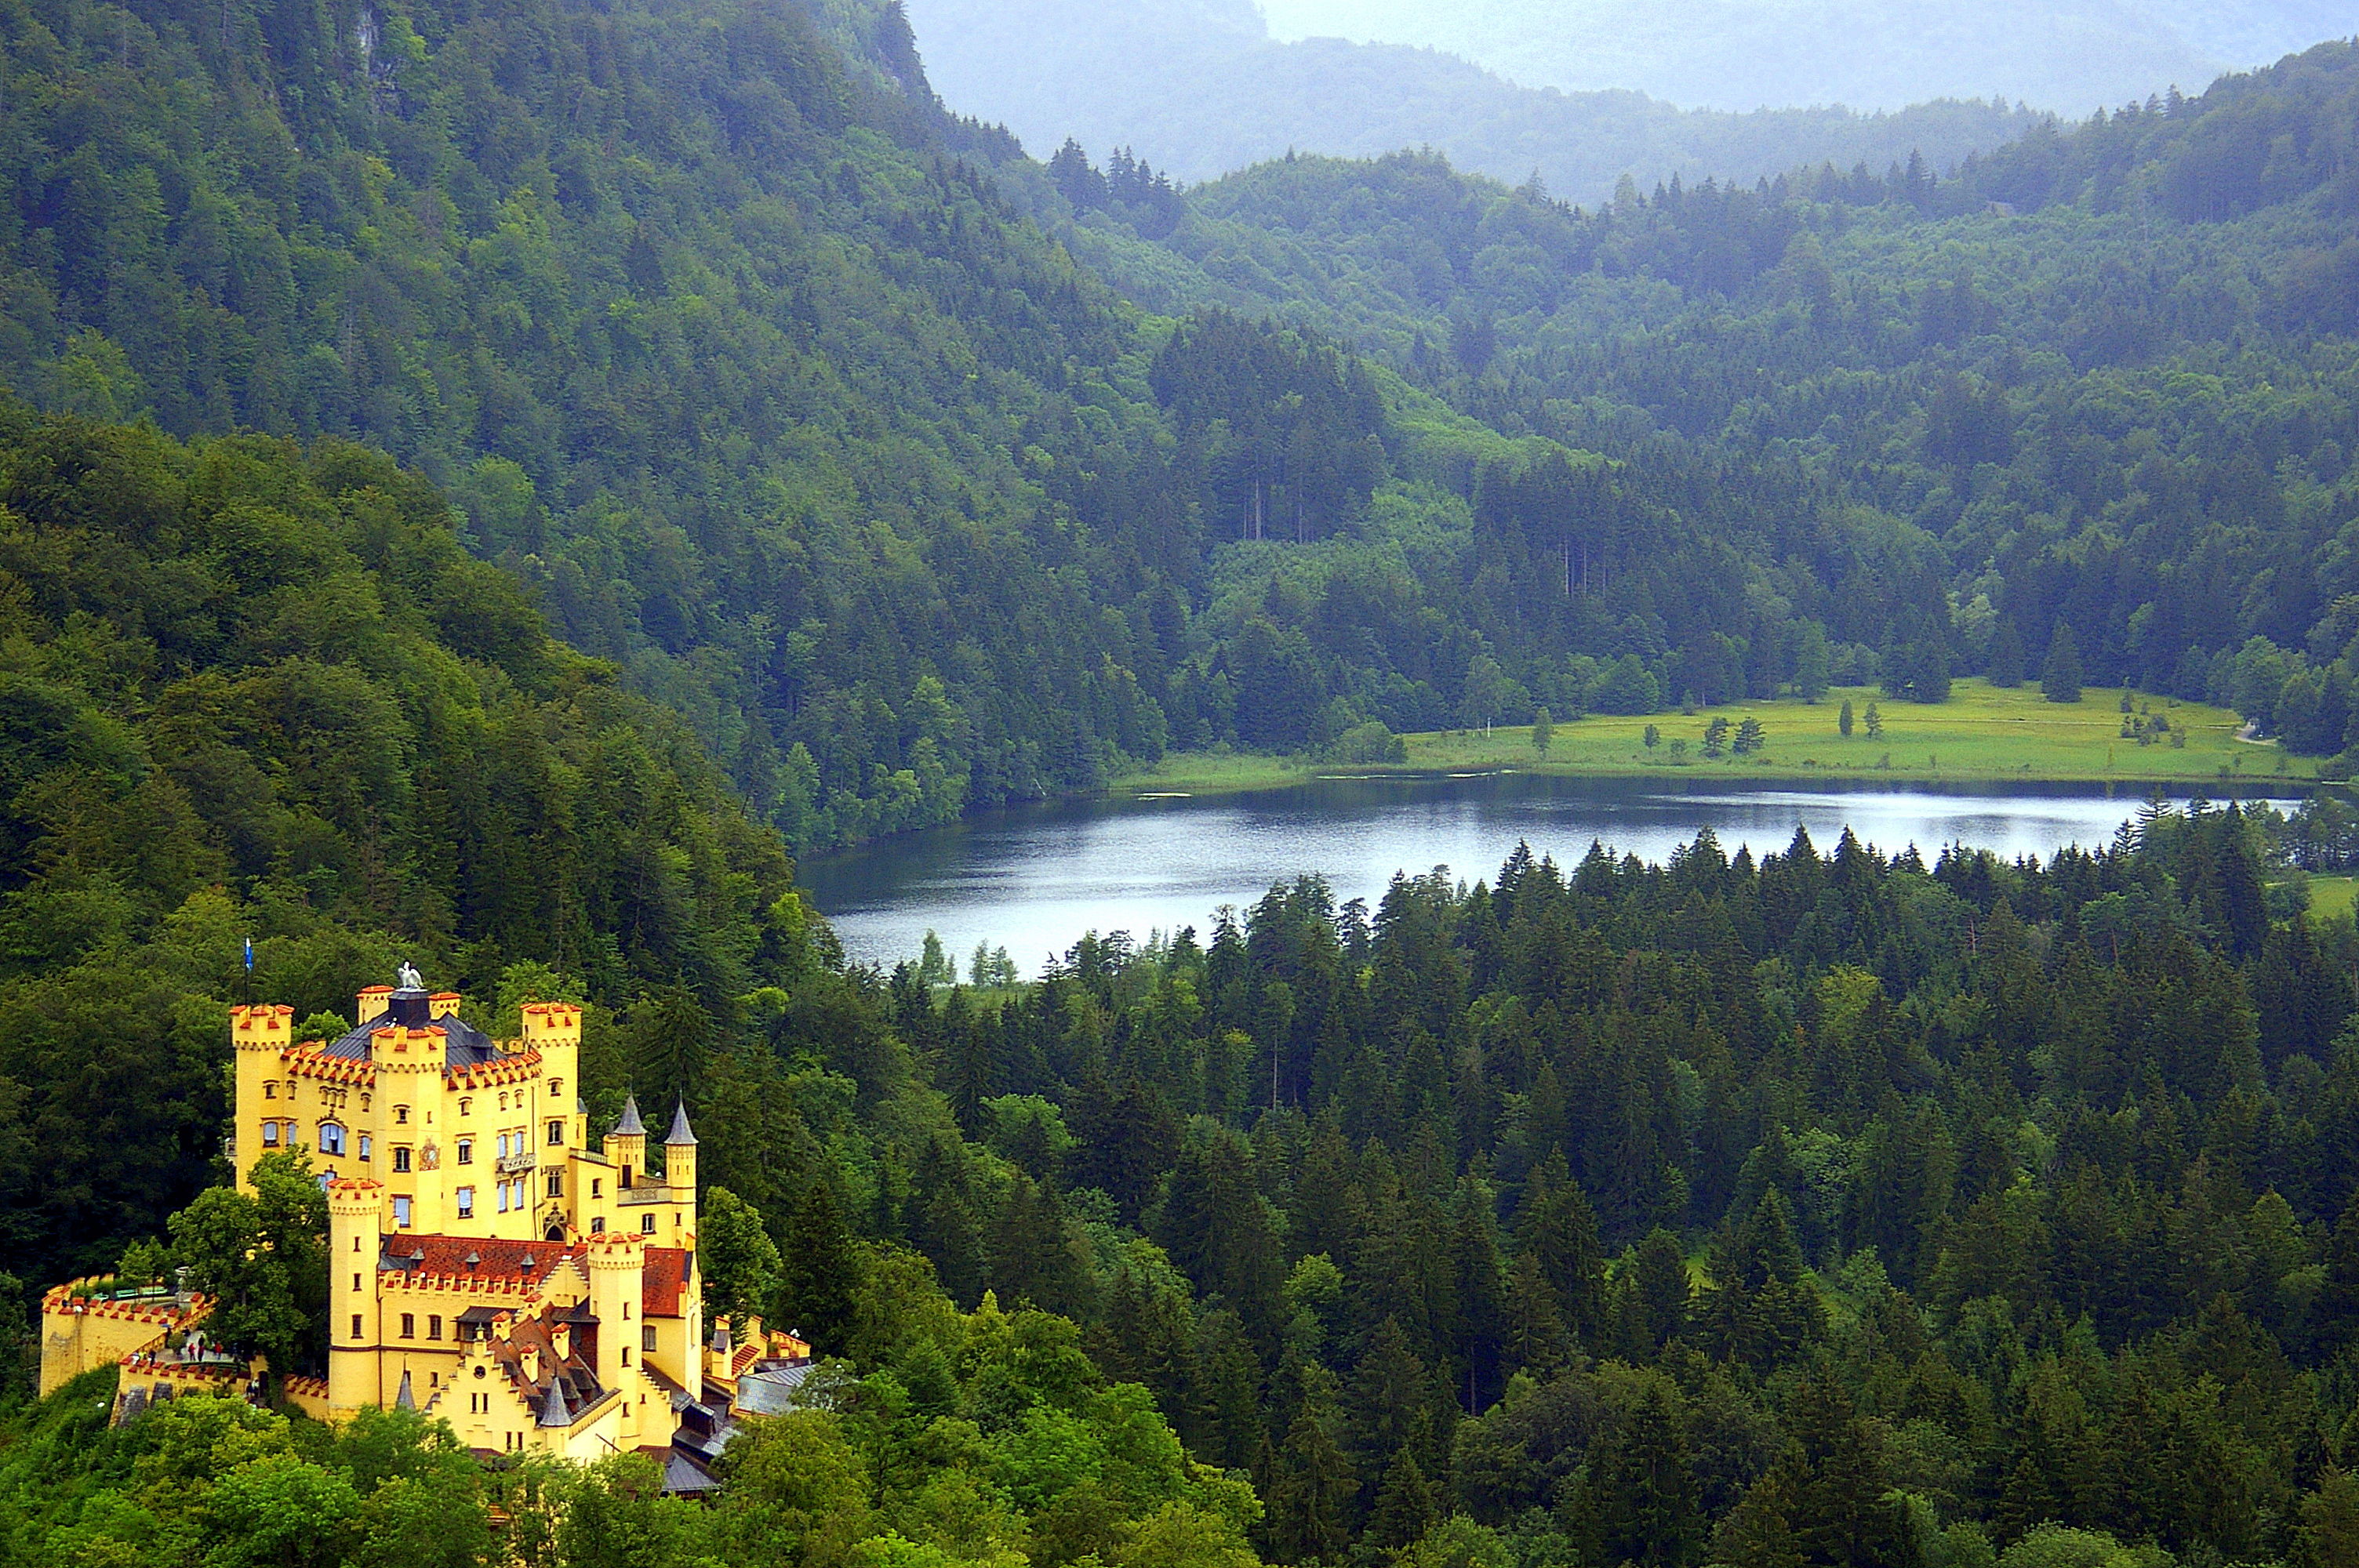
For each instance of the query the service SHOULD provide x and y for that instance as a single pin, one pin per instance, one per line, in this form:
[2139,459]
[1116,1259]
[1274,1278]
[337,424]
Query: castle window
[368,1143]
[595,1185]
[466,1151]
[270,1135]
[466,1107]
[466,1203]
[409,1326]
[647,1339]
[356,1279]
[626,1354]
[598,1226]
[647,1225]
[331,1137]
[400,1114]
[557,1184]
[557,1090]
[556,1133]
[434,1325]
[270,1091]
[502,1188]
[504,1100]
[356,1326]
[400,1158]
[503,1145]
[401,1214]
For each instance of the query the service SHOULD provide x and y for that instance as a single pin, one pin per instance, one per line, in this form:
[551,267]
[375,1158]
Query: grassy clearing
[2331,896]
[1981,735]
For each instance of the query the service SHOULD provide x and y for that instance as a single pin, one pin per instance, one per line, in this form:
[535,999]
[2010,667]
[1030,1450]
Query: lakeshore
[1983,735]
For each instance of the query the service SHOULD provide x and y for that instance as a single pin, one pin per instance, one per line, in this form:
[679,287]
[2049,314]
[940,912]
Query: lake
[1034,879]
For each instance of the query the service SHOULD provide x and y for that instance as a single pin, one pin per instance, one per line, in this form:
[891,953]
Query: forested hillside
[2102,378]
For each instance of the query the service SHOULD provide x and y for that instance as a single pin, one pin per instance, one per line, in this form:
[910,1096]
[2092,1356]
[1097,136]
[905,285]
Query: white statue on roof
[408,978]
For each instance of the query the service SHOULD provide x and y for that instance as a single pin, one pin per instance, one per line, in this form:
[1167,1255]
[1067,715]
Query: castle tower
[679,1156]
[258,1037]
[617,1261]
[408,1060]
[356,1235]
[554,1029]
[626,1146]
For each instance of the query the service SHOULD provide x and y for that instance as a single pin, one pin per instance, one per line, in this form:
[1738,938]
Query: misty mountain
[1199,88]
[2071,57]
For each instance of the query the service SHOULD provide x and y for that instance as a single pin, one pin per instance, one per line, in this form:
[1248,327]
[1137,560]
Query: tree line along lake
[1034,880]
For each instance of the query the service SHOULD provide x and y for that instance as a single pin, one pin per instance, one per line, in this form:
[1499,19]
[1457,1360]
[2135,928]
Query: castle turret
[356,1235]
[626,1146]
[554,1030]
[259,1037]
[616,1261]
[679,1155]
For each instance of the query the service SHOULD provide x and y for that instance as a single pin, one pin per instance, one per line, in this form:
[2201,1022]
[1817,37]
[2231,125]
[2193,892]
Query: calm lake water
[1034,879]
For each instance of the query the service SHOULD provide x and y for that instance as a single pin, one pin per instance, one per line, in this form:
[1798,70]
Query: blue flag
[249,954]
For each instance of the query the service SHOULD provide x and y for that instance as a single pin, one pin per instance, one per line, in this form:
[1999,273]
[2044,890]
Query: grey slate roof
[464,1045]
[631,1125]
[680,1133]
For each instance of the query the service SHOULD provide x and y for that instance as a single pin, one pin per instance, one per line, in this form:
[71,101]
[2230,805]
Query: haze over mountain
[1199,89]
[1870,54]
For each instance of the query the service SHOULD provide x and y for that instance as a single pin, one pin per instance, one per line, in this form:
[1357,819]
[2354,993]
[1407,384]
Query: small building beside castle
[486,1266]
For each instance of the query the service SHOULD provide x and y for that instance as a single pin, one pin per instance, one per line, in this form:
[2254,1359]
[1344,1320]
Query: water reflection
[1033,879]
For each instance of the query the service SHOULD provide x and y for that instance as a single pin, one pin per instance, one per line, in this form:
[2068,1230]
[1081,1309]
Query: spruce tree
[2059,678]
[1310,1495]
[1640,1496]
[2007,655]
[1406,1506]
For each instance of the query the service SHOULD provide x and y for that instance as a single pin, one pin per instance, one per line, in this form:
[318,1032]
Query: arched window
[270,1135]
[331,1137]
[598,1226]
[466,1107]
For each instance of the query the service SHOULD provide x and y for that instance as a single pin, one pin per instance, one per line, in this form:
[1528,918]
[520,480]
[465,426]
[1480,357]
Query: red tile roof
[663,1282]
[528,1261]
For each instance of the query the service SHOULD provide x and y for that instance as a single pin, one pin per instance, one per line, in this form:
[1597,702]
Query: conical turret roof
[631,1125]
[405,1400]
[679,1132]
[552,1409]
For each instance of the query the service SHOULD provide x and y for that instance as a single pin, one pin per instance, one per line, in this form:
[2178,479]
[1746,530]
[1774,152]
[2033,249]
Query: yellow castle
[485,1264]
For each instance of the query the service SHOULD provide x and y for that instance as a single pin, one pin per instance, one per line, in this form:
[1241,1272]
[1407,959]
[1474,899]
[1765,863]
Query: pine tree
[2007,655]
[1840,1514]
[1558,1228]
[2059,678]
[1406,1506]
[1536,1335]
[1310,1497]
[1663,1287]
[1843,719]
[1640,1496]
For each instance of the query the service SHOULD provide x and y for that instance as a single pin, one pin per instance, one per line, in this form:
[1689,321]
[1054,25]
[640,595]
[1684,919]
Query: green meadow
[1983,734]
